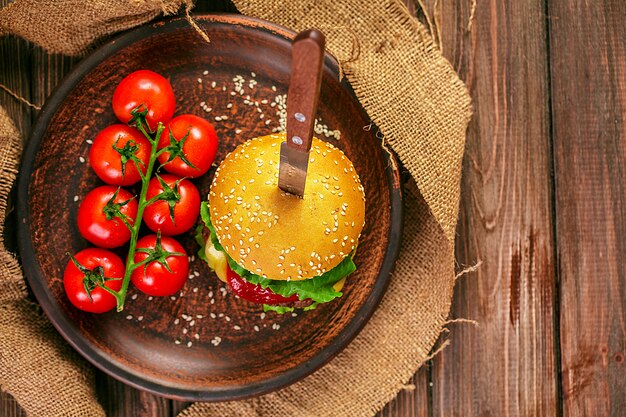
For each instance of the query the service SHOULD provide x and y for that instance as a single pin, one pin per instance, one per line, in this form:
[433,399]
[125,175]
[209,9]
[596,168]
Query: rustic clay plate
[202,344]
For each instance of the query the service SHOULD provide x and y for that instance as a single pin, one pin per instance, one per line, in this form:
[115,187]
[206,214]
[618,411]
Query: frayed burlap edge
[70,26]
[37,367]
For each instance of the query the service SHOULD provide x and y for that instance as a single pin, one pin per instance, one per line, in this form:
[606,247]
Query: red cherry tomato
[76,280]
[149,90]
[199,147]
[254,292]
[99,204]
[182,195]
[114,145]
[154,277]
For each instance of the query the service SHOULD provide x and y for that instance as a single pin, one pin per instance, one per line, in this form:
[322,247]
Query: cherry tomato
[181,196]
[199,147]
[147,89]
[96,222]
[77,280]
[254,292]
[154,278]
[111,152]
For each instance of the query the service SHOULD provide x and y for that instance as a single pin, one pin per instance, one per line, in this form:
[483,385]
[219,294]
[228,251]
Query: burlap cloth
[422,109]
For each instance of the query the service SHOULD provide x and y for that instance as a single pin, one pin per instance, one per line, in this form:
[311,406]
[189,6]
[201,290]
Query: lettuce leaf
[319,289]
[200,241]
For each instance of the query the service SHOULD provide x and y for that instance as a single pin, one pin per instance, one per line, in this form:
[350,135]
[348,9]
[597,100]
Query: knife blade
[302,99]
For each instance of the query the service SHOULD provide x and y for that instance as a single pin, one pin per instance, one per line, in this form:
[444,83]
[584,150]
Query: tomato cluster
[123,155]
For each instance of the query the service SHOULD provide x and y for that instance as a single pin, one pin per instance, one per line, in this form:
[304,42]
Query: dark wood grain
[507,365]
[120,400]
[588,67]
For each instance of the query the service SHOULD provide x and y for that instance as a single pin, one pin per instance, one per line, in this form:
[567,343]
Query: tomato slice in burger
[254,292]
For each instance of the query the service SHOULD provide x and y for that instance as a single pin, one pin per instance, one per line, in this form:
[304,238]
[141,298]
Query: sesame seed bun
[276,234]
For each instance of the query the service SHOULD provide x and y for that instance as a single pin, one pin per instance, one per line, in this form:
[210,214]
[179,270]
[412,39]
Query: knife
[302,98]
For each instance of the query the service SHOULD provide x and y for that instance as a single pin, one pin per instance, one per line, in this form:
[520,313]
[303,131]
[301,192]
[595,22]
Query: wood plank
[121,400]
[415,400]
[588,73]
[507,366]
[9,407]
[14,73]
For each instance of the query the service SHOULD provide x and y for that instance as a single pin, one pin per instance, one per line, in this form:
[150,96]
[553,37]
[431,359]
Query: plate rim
[67,327]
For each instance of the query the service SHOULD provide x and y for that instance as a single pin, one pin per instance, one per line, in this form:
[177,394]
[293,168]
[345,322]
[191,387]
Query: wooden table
[543,208]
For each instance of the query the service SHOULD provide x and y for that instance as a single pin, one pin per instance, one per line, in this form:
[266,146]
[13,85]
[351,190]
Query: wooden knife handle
[304,87]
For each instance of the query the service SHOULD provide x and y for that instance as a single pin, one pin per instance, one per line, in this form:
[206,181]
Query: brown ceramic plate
[169,346]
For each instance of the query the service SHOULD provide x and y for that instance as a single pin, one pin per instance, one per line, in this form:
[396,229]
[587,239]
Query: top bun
[278,235]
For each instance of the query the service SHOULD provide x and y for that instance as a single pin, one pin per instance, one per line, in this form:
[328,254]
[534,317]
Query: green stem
[120,295]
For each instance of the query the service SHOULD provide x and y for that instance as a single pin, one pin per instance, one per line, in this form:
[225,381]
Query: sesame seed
[185,330]
[256,328]
[75,198]
[81,159]
[189,344]
[236,327]
[129,317]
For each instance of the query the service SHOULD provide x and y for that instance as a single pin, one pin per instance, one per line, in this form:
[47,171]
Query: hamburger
[276,248]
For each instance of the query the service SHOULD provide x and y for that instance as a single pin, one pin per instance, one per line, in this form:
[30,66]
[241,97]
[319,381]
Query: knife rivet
[297,140]
[300,117]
